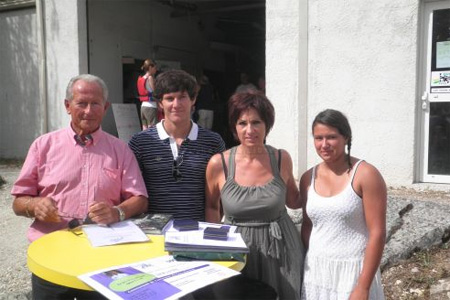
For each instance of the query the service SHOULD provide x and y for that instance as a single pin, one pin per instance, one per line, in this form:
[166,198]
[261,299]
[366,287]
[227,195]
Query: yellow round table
[61,256]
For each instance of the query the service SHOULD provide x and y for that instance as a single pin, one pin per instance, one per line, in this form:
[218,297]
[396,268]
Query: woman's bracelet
[27,206]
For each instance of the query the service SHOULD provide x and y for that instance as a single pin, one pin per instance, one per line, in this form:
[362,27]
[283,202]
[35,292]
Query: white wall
[66,54]
[362,61]
[286,76]
[19,113]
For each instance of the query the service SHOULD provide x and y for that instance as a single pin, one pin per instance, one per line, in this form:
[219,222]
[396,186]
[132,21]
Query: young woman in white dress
[344,217]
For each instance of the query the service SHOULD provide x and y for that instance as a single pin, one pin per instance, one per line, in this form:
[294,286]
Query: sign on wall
[443,54]
[126,119]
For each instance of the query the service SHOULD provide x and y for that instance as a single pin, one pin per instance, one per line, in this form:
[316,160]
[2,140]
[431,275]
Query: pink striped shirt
[73,175]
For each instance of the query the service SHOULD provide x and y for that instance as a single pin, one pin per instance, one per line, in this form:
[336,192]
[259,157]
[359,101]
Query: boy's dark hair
[172,81]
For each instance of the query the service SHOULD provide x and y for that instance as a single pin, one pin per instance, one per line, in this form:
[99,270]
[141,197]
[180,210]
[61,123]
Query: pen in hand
[102,213]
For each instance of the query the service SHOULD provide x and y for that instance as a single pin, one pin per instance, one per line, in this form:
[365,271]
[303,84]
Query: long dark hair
[338,120]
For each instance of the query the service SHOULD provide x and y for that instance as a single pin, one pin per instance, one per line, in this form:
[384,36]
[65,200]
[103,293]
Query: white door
[435,100]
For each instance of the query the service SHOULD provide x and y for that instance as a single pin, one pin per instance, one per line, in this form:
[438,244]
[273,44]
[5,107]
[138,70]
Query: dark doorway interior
[131,69]
[241,26]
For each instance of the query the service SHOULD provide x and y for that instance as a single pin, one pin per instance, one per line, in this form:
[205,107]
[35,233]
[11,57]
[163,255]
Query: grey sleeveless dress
[276,251]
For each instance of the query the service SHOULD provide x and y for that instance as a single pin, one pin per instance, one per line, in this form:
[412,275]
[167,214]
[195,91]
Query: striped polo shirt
[185,198]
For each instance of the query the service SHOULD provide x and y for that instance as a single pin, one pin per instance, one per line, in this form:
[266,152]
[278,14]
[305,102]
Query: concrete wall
[64,56]
[369,72]
[362,60]
[19,93]
[66,53]
[286,76]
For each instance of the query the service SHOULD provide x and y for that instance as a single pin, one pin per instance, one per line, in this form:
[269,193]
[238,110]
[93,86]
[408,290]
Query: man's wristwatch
[121,213]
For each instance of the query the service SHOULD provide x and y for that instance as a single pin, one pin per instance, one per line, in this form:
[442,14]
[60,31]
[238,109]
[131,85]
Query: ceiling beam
[179,13]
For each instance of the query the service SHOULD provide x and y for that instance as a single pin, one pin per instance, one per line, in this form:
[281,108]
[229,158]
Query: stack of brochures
[153,223]
[197,241]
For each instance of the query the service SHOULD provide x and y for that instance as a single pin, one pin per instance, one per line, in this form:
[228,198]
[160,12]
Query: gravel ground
[14,274]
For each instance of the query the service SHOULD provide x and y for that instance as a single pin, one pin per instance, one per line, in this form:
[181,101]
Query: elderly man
[173,154]
[75,173]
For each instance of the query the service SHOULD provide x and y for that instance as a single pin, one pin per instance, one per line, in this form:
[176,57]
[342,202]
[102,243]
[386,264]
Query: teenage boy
[173,155]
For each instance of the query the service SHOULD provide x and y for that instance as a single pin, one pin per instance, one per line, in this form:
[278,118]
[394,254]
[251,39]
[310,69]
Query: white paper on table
[195,240]
[156,279]
[117,233]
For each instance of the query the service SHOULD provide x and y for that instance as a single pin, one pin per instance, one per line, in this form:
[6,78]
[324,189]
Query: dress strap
[279,159]
[274,164]
[231,163]
[224,165]
[313,175]
[273,161]
[354,170]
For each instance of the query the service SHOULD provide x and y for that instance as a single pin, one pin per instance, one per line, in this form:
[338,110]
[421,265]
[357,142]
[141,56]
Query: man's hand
[45,209]
[103,213]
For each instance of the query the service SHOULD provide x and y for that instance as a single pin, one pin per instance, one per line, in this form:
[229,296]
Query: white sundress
[337,245]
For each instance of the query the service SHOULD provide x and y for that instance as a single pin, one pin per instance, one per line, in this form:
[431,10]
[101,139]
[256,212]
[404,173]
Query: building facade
[385,64]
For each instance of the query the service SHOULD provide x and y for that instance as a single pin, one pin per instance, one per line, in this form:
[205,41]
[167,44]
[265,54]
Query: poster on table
[157,279]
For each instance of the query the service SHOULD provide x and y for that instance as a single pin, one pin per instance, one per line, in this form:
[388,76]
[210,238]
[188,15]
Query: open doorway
[235,29]
[131,69]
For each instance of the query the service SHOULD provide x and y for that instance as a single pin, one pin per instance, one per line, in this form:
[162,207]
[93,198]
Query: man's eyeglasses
[75,224]
[176,168]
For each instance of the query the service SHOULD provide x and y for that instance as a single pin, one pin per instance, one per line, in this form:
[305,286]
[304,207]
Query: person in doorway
[77,173]
[145,87]
[245,85]
[262,84]
[253,183]
[173,154]
[344,217]
[205,103]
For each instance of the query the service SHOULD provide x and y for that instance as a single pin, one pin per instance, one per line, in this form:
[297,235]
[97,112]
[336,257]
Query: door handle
[424,100]
[424,96]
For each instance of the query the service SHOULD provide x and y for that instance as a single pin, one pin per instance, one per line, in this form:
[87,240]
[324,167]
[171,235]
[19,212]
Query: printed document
[117,233]
[156,279]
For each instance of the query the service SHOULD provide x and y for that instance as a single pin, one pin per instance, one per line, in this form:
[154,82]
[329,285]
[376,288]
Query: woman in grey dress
[252,183]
